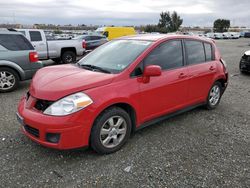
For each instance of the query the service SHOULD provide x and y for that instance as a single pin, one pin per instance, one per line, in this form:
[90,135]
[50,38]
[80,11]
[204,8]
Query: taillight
[84,45]
[33,57]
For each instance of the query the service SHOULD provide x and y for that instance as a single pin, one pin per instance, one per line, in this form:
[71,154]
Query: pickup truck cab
[57,50]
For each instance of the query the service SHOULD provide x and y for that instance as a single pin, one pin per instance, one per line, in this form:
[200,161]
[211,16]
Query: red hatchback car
[122,86]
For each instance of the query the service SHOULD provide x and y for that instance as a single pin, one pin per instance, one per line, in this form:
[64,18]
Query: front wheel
[68,57]
[111,130]
[214,96]
[9,80]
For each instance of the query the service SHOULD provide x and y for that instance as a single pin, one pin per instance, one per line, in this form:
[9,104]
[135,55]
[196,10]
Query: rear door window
[168,55]
[15,42]
[195,52]
[35,36]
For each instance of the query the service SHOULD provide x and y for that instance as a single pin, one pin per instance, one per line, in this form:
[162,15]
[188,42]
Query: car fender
[20,71]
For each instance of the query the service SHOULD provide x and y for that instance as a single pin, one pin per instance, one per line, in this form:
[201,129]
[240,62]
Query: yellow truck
[116,32]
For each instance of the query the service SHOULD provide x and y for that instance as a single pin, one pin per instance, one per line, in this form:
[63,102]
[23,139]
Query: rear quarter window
[195,52]
[208,51]
[35,36]
[15,42]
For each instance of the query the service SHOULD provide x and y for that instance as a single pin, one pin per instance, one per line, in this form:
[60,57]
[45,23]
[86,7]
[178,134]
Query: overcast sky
[122,12]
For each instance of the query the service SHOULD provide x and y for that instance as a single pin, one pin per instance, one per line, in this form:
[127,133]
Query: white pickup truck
[57,50]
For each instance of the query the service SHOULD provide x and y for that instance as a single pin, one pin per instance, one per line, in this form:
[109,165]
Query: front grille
[42,105]
[32,131]
[246,58]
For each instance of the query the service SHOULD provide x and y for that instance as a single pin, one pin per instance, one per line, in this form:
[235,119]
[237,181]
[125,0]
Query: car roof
[158,37]
[9,32]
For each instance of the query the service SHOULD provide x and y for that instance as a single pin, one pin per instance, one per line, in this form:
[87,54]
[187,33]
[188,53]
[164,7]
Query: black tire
[96,141]
[68,57]
[210,105]
[57,60]
[3,82]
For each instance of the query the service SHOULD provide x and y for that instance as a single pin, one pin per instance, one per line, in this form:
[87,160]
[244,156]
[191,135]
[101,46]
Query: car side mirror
[152,71]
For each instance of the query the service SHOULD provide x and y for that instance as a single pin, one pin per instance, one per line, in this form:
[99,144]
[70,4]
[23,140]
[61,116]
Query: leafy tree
[169,22]
[151,28]
[165,20]
[176,22]
[221,25]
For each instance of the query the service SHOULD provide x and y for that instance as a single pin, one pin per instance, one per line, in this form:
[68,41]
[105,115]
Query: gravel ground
[197,149]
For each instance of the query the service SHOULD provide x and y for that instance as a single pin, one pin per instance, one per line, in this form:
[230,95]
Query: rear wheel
[214,96]
[9,80]
[111,130]
[68,57]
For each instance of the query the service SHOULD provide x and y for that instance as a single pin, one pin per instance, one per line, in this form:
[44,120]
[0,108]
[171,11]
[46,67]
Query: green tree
[165,20]
[169,22]
[221,25]
[176,22]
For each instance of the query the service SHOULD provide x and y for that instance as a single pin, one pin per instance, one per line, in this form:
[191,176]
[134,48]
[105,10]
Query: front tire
[111,130]
[214,96]
[9,80]
[68,57]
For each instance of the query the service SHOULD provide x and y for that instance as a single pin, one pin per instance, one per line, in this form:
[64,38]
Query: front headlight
[69,105]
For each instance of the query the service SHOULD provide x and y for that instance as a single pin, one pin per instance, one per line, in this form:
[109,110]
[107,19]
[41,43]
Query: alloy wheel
[7,80]
[214,95]
[113,131]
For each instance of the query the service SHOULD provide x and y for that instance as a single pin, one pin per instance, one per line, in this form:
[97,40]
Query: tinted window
[87,38]
[208,50]
[168,55]
[35,36]
[94,38]
[15,42]
[195,52]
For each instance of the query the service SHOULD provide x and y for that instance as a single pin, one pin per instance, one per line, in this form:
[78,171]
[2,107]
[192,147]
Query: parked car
[18,60]
[218,36]
[92,41]
[235,35]
[116,32]
[245,62]
[247,35]
[226,35]
[57,50]
[122,86]
[210,35]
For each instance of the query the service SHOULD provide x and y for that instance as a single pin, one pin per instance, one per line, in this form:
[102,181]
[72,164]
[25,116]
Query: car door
[201,69]
[168,92]
[39,44]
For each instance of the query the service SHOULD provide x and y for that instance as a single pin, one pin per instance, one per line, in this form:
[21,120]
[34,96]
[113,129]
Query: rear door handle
[182,75]
[212,68]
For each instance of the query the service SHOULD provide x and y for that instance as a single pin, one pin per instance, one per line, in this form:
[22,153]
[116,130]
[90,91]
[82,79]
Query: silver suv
[18,60]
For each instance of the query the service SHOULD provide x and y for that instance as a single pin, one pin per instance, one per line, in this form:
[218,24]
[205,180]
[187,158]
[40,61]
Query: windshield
[116,55]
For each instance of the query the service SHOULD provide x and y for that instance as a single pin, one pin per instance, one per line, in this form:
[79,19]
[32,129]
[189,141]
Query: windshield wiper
[93,67]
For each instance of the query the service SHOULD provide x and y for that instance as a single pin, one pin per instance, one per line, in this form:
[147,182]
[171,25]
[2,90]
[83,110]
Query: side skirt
[167,116]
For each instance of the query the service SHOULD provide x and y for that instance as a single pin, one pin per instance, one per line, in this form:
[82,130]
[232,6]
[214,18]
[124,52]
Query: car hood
[247,53]
[54,82]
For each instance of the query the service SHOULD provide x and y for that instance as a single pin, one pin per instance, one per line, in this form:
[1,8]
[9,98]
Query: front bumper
[73,130]
[245,65]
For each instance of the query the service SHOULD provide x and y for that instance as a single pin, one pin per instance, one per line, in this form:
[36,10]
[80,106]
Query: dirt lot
[197,149]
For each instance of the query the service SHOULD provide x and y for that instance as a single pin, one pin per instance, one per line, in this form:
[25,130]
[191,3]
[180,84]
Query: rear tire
[214,96]
[110,131]
[9,80]
[68,57]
